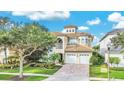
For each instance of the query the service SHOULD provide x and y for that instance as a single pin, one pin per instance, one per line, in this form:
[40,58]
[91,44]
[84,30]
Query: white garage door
[71,58]
[84,58]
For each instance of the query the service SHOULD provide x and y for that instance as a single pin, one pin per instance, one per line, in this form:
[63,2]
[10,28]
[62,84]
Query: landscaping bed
[115,73]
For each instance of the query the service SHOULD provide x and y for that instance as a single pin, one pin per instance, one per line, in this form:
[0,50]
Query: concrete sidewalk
[26,74]
[104,79]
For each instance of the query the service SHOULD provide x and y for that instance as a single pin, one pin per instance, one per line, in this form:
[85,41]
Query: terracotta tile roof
[58,33]
[78,48]
[71,26]
[77,34]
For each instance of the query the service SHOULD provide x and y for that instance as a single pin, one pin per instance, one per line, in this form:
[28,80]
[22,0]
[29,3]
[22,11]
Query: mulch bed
[16,78]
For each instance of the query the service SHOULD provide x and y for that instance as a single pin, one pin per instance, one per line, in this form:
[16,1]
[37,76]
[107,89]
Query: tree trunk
[5,54]
[21,67]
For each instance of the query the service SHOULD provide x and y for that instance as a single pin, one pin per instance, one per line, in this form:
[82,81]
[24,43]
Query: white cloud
[43,15]
[94,21]
[118,19]
[102,34]
[83,28]
[119,25]
[115,17]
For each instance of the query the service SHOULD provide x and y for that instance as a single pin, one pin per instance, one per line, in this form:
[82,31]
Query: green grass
[36,70]
[116,74]
[30,78]
[6,77]
[35,78]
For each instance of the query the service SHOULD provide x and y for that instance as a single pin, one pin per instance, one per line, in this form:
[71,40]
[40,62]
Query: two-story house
[73,46]
[114,52]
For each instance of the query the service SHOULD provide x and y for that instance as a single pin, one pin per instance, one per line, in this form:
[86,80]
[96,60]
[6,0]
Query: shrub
[55,57]
[96,59]
[12,62]
[12,59]
[50,65]
[61,62]
[42,65]
[114,60]
[6,66]
[104,65]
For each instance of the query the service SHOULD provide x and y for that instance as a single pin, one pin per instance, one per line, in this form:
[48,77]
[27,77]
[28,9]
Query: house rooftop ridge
[70,26]
[114,31]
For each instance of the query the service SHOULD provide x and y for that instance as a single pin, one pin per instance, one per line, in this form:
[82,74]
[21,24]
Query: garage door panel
[71,58]
[84,58]
[80,58]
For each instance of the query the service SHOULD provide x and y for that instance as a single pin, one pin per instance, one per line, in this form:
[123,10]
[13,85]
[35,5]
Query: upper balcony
[72,41]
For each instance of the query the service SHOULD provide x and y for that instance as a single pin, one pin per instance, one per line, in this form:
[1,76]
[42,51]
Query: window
[72,30]
[72,41]
[86,41]
[82,40]
[69,30]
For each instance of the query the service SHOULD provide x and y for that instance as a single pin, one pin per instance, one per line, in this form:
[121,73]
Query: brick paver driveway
[71,72]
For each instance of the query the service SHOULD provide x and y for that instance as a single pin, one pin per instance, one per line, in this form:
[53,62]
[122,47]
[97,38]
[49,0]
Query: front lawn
[28,78]
[36,70]
[35,78]
[114,73]
[6,77]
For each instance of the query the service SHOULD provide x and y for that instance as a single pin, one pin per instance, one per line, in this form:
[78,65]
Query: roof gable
[113,32]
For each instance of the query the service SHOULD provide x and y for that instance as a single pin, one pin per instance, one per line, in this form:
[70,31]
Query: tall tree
[26,40]
[118,41]
[96,48]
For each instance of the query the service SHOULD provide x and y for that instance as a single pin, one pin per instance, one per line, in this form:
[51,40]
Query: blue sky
[95,22]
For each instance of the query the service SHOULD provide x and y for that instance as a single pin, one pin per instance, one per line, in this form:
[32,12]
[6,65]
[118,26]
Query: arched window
[59,44]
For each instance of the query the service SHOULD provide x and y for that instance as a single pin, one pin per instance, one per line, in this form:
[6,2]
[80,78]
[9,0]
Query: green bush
[62,62]
[6,66]
[96,59]
[12,62]
[42,65]
[50,65]
[114,60]
[55,57]
[12,59]
[104,65]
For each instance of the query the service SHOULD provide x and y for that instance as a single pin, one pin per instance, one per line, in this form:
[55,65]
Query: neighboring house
[73,46]
[114,52]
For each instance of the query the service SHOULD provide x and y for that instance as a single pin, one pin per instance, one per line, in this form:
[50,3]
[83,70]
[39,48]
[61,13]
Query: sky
[97,23]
